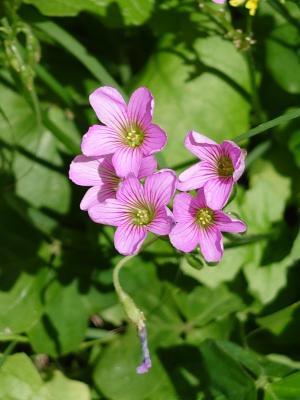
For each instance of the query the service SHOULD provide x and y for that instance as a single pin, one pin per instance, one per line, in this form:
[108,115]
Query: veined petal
[211,244]
[196,176]
[84,171]
[154,140]
[96,195]
[129,238]
[127,160]
[140,107]
[148,166]
[100,140]
[200,200]
[160,187]
[111,212]
[203,147]
[109,107]
[240,166]
[131,191]
[183,207]
[162,223]
[185,236]
[217,192]
[225,223]
[237,156]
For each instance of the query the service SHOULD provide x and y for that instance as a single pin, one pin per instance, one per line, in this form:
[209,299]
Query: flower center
[205,217]
[225,167]
[134,137]
[141,216]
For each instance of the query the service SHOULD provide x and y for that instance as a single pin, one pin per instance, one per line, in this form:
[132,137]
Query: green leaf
[19,380]
[191,89]
[283,44]
[286,389]
[226,375]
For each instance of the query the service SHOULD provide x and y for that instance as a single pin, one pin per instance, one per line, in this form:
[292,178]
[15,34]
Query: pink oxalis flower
[221,166]
[100,173]
[137,210]
[198,224]
[128,132]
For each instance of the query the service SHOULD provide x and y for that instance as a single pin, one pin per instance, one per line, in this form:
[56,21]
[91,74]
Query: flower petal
[131,191]
[129,238]
[225,223]
[240,166]
[162,223]
[100,141]
[160,187]
[84,171]
[96,195]
[140,106]
[127,160]
[211,244]
[109,107]
[217,192]
[185,236]
[148,166]
[237,156]
[155,139]
[202,146]
[182,207]
[111,212]
[196,176]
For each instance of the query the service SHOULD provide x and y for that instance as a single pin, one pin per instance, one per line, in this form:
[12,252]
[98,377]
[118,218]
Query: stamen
[205,217]
[142,216]
[225,167]
[146,363]
[134,137]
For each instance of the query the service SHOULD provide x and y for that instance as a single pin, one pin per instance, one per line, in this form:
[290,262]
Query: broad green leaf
[132,12]
[226,375]
[206,91]
[63,324]
[286,389]
[283,44]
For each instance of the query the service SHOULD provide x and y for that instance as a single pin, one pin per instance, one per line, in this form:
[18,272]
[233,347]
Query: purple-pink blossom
[220,167]
[128,132]
[138,209]
[100,173]
[198,224]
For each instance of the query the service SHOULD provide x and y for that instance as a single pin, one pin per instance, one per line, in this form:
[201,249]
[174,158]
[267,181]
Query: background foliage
[224,332]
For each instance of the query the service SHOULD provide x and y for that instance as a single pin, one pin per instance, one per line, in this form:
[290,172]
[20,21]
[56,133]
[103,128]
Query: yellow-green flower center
[225,167]
[134,136]
[205,217]
[142,216]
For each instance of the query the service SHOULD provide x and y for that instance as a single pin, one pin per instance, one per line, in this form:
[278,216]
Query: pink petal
[240,166]
[148,166]
[196,176]
[109,107]
[183,207]
[160,187]
[84,171]
[237,156]
[219,1]
[203,147]
[111,212]
[211,244]
[96,195]
[129,238]
[155,139]
[200,200]
[100,141]
[131,191]
[162,223]
[217,192]
[227,224]
[140,106]
[127,160]
[185,236]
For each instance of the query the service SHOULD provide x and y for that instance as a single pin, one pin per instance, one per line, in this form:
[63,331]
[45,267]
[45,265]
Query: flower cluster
[251,5]
[128,192]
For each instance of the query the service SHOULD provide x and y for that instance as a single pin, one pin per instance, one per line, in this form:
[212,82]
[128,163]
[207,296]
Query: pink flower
[221,166]
[101,175]
[196,223]
[128,133]
[138,210]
